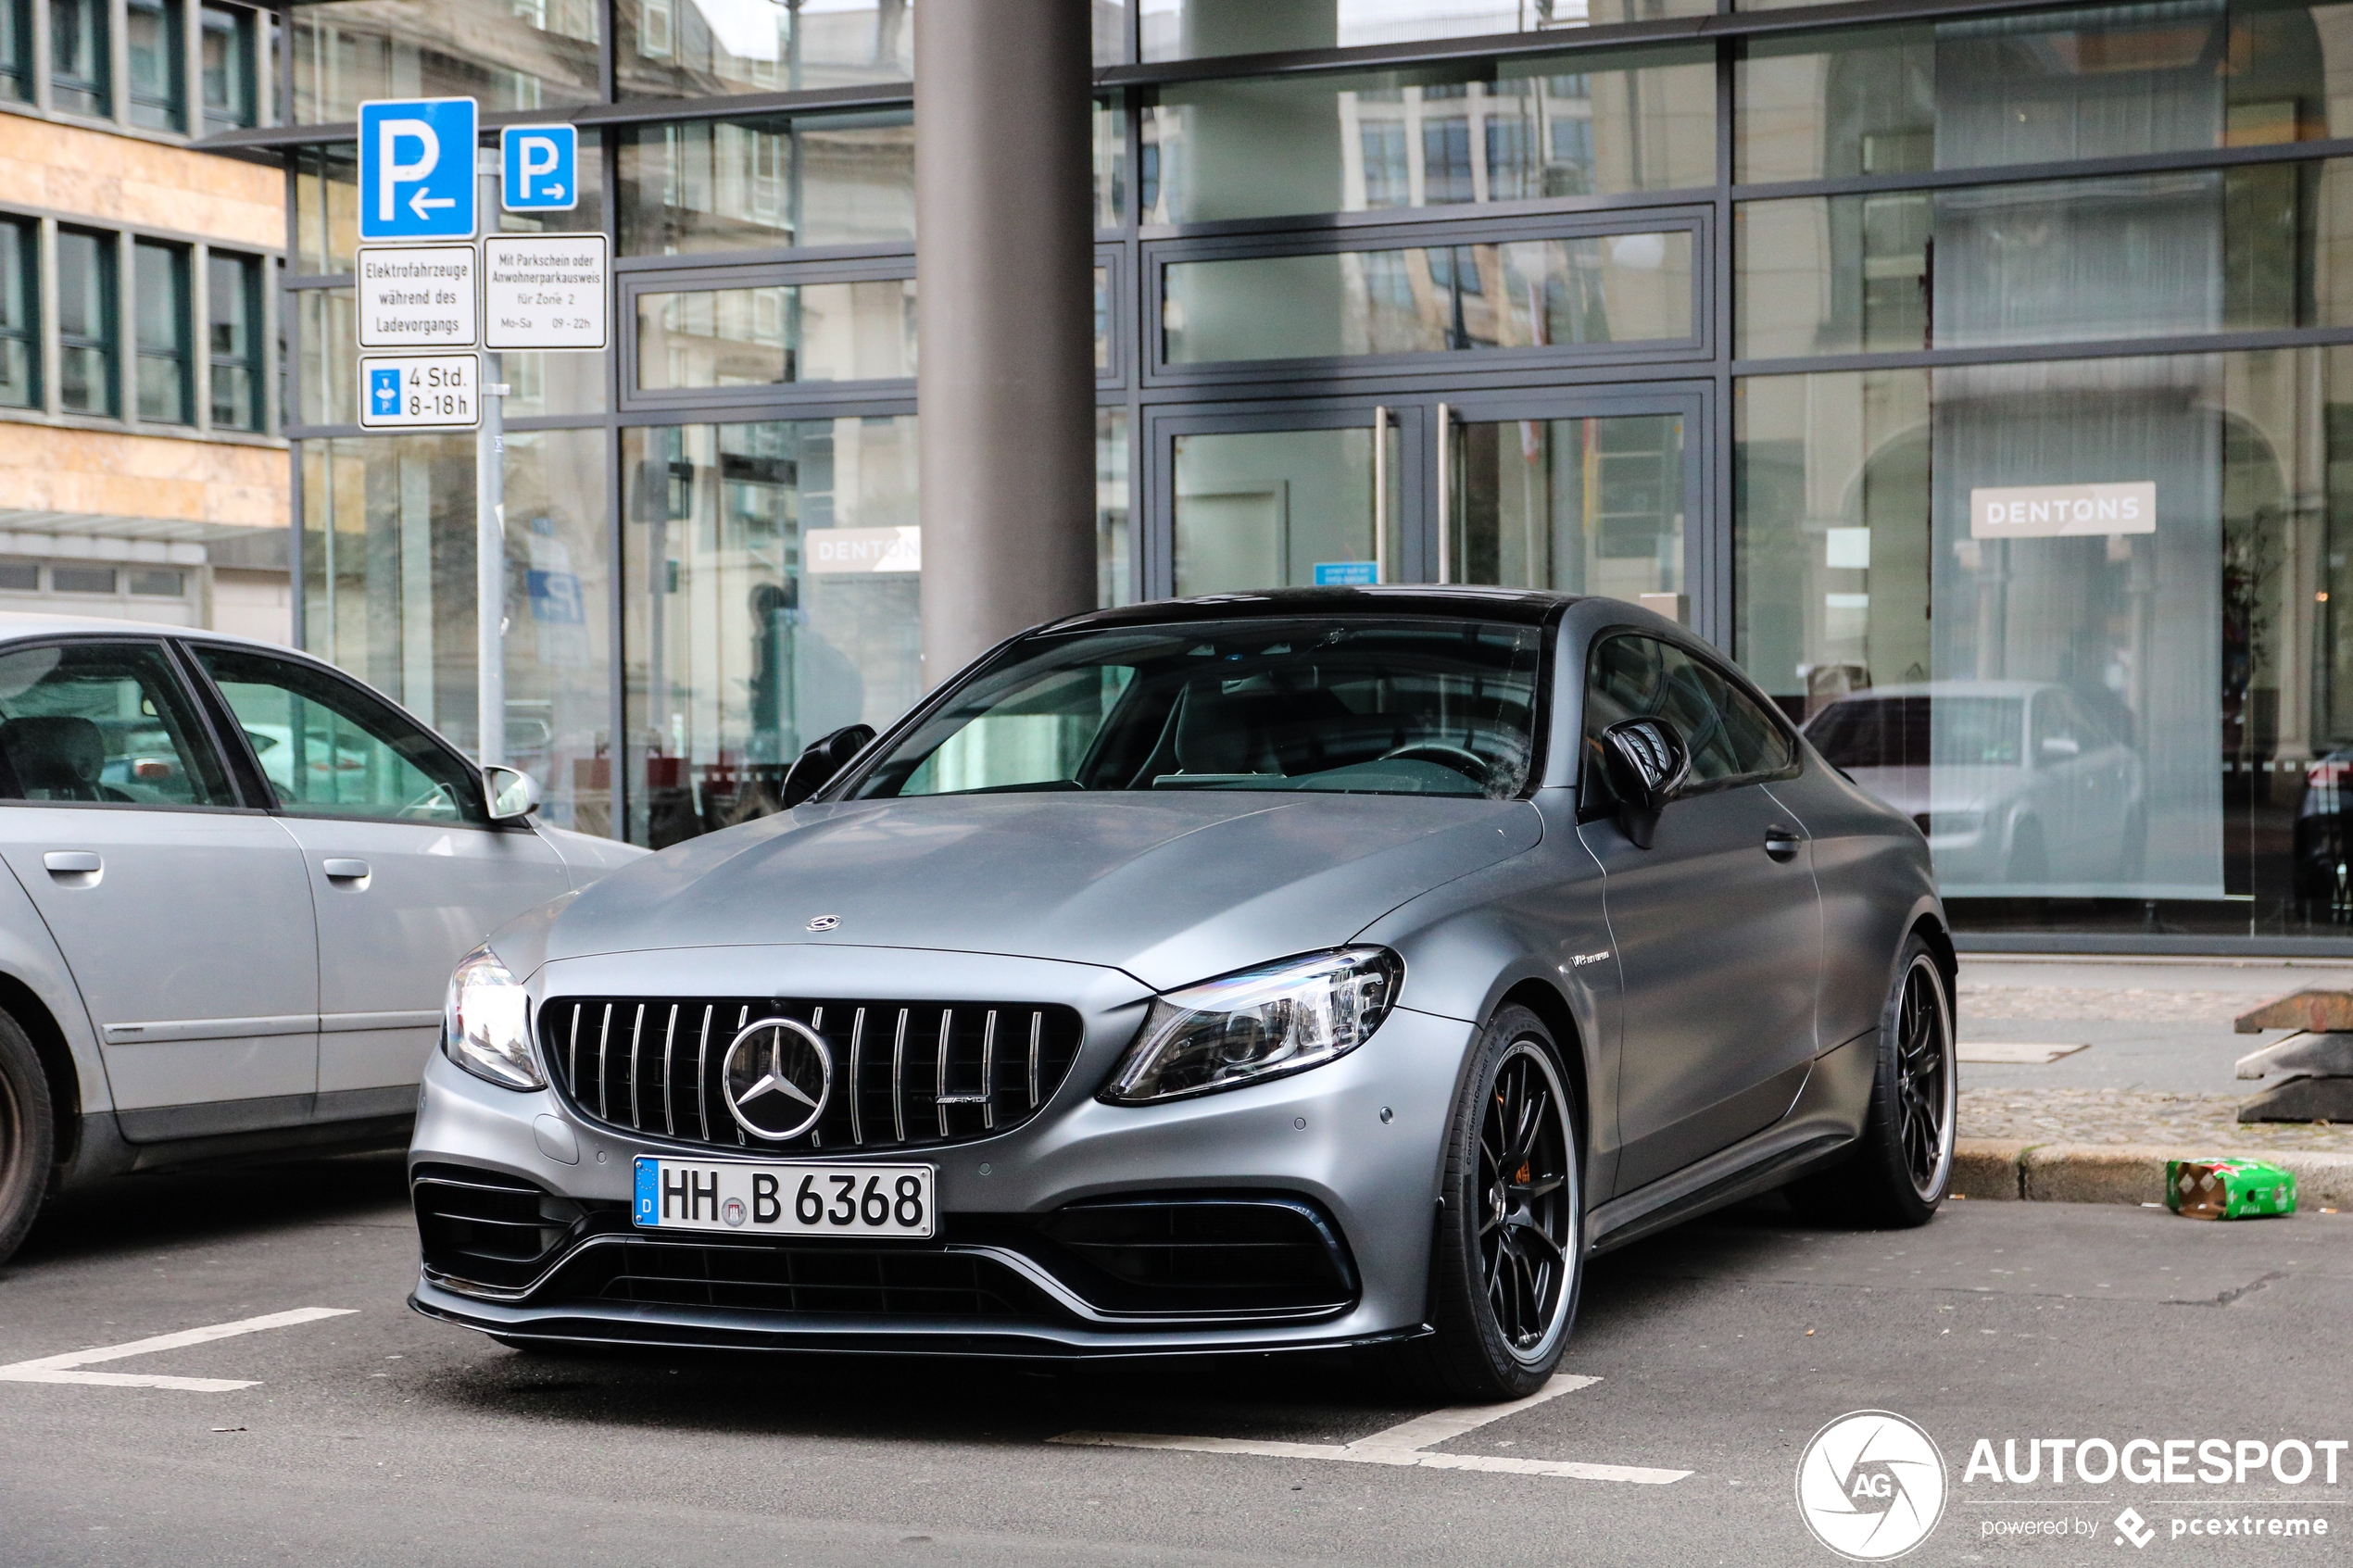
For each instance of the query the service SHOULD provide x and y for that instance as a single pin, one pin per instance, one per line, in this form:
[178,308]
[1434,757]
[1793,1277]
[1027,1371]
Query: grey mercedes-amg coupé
[1303,969]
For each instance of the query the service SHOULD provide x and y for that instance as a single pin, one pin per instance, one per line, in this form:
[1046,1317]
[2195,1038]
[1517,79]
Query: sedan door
[406,872]
[183,913]
[1717,925]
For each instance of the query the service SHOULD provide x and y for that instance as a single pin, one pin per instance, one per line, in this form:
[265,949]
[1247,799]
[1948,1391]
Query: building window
[233,289]
[159,582]
[227,64]
[160,277]
[20,315]
[16,50]
[85,322]
[158,74]
[83,579]
[77,51]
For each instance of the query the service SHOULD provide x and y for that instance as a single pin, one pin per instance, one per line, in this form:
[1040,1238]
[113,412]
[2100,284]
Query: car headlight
[1257,1023]
[485,1023]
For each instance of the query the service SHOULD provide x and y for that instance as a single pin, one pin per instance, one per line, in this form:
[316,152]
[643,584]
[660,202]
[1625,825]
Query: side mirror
[823,757]
[1649,762]
[2060,748]
[510,792]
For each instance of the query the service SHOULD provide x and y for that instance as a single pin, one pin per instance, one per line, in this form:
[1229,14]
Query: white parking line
[1406,1444]
[59,1369]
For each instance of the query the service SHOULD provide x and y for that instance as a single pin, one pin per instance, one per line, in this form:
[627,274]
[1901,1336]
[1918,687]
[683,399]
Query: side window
[330,749]
[104,722]
[1635,677]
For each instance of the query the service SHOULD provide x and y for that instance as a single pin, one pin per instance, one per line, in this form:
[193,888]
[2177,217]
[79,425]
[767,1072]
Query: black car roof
[1520,606]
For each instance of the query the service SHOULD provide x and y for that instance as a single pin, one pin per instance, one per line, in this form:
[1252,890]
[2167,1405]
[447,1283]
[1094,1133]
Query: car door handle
[72,862]
[345,870]
[1782,842]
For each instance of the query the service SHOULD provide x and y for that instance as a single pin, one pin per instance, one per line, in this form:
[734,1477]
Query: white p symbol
[390,133]
[534,156]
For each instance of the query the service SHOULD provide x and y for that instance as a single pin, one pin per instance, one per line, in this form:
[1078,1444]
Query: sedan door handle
[345,870]
[1782,842]
[70,862]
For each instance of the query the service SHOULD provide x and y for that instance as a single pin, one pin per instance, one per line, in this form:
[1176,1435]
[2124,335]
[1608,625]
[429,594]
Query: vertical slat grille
[943,1078]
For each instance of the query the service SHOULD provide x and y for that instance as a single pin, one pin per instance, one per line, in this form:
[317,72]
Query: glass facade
[1983,383]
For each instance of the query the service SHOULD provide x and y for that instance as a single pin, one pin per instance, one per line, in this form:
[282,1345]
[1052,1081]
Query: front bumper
[1317,1140]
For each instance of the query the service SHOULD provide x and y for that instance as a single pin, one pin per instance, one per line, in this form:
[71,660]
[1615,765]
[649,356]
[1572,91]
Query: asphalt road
[379,1438]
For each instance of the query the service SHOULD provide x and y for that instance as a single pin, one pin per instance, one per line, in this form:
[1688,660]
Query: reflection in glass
[226,65]
[2187,75]
[85,322]
[152,36]
[777,333]
[2133,255]
[1607,124]
[768,183]
[389,593]
[1280,509]
[159,294]
[709,48]
[771,596]
[81,74]
[234,315]
[16,51]
[1520,293]
[19,310]
[542,55]
[1579,506]
[1114,544]
[326,343]
[1185,29]
[2076,759]
[326,208]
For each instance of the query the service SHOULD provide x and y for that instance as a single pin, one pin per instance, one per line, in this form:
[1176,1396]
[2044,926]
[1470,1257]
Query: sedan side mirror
[1649,762]
[2060,748]
[823,758]
[510,793]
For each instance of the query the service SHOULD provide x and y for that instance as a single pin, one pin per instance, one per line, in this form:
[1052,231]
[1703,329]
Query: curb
[1998,1169]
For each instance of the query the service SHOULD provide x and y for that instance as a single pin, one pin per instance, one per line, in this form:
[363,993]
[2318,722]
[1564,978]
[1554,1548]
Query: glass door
[1578,494]
[1306,495]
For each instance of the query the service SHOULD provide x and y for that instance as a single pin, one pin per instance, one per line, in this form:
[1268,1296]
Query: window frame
[180,270]
[106,343]
[204,731]
[239,24]
[18,75]
[100,87]
[784,396]
[1593,804]
[26,232]
[247,762]
[253,362]
[172,107]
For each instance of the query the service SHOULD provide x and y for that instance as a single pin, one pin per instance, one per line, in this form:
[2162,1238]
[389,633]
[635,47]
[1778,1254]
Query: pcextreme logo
[1870,1486]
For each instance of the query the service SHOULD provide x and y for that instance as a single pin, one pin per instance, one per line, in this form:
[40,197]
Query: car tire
[27,1136]
[1508,1258]
[1896,1175]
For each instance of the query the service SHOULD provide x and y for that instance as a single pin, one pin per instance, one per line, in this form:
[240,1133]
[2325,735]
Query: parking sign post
[490,564]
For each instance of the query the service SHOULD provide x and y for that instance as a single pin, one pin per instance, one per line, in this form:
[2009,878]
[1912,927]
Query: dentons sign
[2050,512]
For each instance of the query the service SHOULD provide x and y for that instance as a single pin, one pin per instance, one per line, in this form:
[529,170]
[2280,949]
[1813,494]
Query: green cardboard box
[2228,1189]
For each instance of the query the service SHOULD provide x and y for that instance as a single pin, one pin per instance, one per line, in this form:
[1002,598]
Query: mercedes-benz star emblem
[776,1077]
[824,922]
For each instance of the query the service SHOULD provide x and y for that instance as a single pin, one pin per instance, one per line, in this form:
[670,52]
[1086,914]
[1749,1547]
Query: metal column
[1005,386]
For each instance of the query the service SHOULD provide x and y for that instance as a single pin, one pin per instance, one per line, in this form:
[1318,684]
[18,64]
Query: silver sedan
[1333,967]
[236,880]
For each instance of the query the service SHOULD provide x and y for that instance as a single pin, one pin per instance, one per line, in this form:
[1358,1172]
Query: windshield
[1894,732]
[1354,706]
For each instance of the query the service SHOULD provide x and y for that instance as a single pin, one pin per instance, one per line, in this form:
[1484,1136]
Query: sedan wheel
[27,1136]
[1510,1245]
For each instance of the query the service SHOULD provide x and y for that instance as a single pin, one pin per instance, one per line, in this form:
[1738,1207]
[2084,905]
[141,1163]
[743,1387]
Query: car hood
[1171,887]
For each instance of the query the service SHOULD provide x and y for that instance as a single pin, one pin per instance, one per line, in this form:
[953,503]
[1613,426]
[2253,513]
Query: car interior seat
[57,757]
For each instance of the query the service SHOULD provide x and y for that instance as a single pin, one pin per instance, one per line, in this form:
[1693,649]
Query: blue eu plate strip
[648,1205]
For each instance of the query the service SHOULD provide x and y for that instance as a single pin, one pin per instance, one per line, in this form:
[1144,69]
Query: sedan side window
[106,724]
[330,749]
[1730,737]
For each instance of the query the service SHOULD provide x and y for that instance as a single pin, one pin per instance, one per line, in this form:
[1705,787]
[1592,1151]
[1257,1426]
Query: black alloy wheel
[1925,1078]
[1524,1224]
[1508,1256]
[1896,1172]
[28,1136]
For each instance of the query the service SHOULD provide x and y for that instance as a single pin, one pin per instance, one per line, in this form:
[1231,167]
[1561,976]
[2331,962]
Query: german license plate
[776,1199]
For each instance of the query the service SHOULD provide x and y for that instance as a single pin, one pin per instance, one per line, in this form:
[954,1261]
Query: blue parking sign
[416,168]
[384,391]
[539,162]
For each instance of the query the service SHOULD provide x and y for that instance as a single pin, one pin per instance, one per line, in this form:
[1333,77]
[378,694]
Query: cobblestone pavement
[2196,1122]
[2121,1005]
